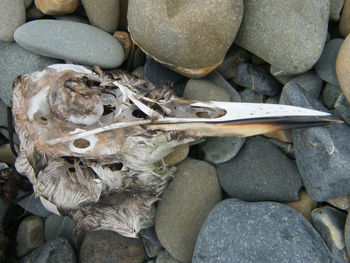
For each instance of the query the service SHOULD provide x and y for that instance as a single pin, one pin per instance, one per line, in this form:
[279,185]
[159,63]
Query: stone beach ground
[280,197]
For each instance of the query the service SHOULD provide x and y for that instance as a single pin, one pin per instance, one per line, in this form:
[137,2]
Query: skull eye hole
[81,143]
[116,167]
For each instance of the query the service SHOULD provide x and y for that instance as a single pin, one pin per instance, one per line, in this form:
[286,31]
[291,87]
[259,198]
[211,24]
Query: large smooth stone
[238,231]
[103,14]
[322,153]
[288,34]
[184,34]
[342,67]
[330,223]
[12,15]
[184,205]
[71,41]
[260,172]
[16,61]
[109,246]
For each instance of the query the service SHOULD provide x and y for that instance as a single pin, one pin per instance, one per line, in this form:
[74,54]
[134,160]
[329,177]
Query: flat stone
[248,76]
[159,74]
[344,23]
[103,14]
[304,205]
[184,205]
[335,10]
[108,246]
[320,152]
[342,108]
[310,82]
[342,203]
[330,94]
[325,66]
[293,35]
[255,174]
[16,61]
[12,15]
[330,223]
[168,31]
[343,68]
[30,235]
[238,231]
[72,41]
[165,257]
[34,206]
[54,251]
[177,155]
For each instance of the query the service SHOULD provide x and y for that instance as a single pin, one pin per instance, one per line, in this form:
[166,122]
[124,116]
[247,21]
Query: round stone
[184,205]
[71,41]
[169,32]
[177,155]
[205,90]
[343,67]
[12,15]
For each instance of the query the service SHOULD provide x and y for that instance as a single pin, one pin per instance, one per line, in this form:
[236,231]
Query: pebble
[184,205]
[342,203]
[251,96]
[330,223]
[248,76]
[34,206]
[234,56]
[342,108]
[151,250]
[15,61]
[205,90]
[304,205]
[287,148]
[178,155]
[347,233]
[72,41]
[165,257]
[159,74]
[55,8]
[57,250]
[12,15]
[103,14]
[58,226]
[294,32]
[335,10]
[330,94]
[27,3]
[30,235]
[280,75]
[6,154]
[310,82]
[343,69]
[168,31]
[255,174]
[321,152]
[34,13]
[73,18]
[238,231]
[344,23]
[124,39]
[138,72]
[108,246]
[325,66]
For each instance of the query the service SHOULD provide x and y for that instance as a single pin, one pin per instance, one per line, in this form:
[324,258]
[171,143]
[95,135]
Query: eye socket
[81,143]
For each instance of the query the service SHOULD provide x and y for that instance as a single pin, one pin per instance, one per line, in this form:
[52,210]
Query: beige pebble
[56,7]
[342,67]
[178,155]
[341,202]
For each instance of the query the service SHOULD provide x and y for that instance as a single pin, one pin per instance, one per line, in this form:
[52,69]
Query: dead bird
[92,143]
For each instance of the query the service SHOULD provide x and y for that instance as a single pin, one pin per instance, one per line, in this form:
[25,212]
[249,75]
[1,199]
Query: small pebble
[287,148]
[27,3]
[34,206]
[73,18]
[125,40]
[342,203]
[280,75]
[335,10]
[165,257]
[34,13]
[347,233]
[138,72]
[330,94]
[344,23]
[343,68]
[342,108]
[6,154]
[249,95]
[30,235]
[325,66]
[310,82]
[12,15]
[205,90]
[58,226]
[304,205]
[103,14]
[178,155]
[152,250]
[55,8]
[330,223]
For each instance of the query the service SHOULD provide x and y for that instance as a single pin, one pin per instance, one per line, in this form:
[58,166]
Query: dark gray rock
[330,223]
[71,41]
[30,235]
[238,231]
[342,108]
[15,61]
[246,75]
[73,18]
[54,251]
[249,95]
[12,15]
[322,153]
[109,246]
[325,66]
[280,75]
[34,13]
[159,74]
[59,226]
[330,94]
[287,148]
[34,206]
[310,82]
[260,172]
[165,257]
[288,34]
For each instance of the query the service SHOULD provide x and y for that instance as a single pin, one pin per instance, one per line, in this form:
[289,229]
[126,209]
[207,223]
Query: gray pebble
[205,90]
[325,66]
[165,257]
[27,3]
[255,174]
[238,231]
[342,108]
[249,95]
[330,94]
[34,13]
[12,15]
[58,226]
[330,223]
[73,18]
[34,206]
[310,82]
[30,235]
[287,148]
[71,41]
[280,75]
[347,233]
[335,10]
